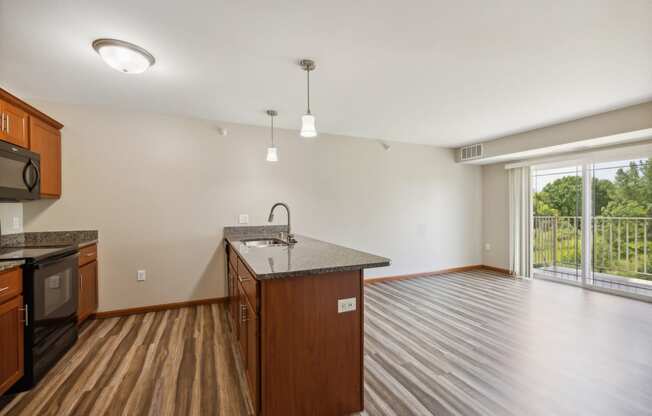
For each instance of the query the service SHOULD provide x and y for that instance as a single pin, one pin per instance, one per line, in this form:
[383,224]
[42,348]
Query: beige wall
[160,189]
[495,216]
[619,125]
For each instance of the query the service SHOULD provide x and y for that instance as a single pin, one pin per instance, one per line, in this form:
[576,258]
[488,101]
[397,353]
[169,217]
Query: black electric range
[31,254]
[50,292]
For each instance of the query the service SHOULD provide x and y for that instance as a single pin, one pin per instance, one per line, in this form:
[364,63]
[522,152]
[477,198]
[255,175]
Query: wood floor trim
[155,308]
[497,269]
[461,269]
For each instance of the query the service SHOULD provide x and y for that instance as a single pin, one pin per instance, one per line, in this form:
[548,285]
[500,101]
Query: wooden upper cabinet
[46,141]
[13,124]
[25,126]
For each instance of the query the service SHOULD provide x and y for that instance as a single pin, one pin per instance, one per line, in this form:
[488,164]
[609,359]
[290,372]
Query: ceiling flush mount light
[272,151]
[308,120]
[123,56]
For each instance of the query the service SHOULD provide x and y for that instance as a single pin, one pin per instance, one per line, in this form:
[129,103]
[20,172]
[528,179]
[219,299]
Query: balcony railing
[620,244]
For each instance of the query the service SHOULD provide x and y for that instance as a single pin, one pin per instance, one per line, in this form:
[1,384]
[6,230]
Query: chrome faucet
[290,237]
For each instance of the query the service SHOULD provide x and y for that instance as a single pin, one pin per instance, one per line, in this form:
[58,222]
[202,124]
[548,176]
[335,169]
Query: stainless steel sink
[266,242]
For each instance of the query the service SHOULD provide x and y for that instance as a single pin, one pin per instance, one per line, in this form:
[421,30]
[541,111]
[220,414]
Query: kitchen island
[297,314]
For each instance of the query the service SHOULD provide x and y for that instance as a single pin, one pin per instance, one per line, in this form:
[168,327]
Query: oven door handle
[48,263]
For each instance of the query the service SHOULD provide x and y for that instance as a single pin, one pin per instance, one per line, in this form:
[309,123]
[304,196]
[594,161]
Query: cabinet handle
[2,121]
[7,122]
[81,281]
[26,314]
[243,313]
[89,254]
[242,280]
[3,289]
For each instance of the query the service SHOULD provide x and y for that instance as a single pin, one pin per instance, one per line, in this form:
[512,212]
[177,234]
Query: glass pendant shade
[308,126]
[272,154]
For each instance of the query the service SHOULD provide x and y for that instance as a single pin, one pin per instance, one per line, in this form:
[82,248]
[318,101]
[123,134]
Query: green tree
[631,193]
[541,208]
[624,209]
[564,196]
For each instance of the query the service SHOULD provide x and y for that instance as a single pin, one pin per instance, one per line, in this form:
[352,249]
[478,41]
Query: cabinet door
[11,342]
[46,141]
[82,308]
[90,284]
[87,291]
[252,355]
[233,302]
[243,331]
[13,125]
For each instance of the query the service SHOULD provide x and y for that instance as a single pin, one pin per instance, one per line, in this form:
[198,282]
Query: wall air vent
[471,152]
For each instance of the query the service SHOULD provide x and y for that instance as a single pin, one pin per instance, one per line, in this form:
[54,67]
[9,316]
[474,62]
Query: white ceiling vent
[471,152]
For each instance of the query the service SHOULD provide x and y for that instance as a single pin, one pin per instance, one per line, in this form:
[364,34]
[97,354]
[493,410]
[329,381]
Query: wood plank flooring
[175,362]
[473,343]
[478,343]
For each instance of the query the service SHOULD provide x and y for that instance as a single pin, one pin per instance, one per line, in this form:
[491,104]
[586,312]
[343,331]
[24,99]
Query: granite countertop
[307,257]
[51,238]
[6,265]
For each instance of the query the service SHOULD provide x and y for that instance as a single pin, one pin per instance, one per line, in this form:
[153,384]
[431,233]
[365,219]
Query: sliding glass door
[622,226]
[592,224]
[557,222]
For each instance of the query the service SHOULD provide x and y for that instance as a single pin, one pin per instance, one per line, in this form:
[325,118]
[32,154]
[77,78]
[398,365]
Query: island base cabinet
[299,354]
[311,355]
[253,364]
[248,342]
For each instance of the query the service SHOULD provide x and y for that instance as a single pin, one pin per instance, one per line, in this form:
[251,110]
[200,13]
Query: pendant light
[308,120]
[272,151]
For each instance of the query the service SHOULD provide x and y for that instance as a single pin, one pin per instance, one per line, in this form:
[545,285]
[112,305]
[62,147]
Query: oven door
[55,294]
[20,177]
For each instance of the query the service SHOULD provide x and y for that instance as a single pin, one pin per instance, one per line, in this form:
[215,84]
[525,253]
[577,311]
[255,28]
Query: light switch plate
[243,219]
[141,275]
[487,247]
[346,305]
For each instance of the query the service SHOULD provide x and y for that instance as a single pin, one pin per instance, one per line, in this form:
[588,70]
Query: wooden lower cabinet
[12,329]
[88,285]
[253,363]
[248,341]
[299,355]
[245,325]
[234,302]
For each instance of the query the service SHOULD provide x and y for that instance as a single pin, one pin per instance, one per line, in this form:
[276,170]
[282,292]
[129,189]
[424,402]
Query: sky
[603,170]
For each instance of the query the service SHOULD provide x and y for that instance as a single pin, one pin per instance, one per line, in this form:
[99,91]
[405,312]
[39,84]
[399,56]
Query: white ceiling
[439,72]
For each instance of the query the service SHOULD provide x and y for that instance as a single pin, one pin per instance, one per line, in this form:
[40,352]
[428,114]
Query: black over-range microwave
[20,176]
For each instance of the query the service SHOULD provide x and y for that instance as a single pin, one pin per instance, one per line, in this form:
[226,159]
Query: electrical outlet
[141,275]
[243,219]
[487,247]
[16,223]
[346,305]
